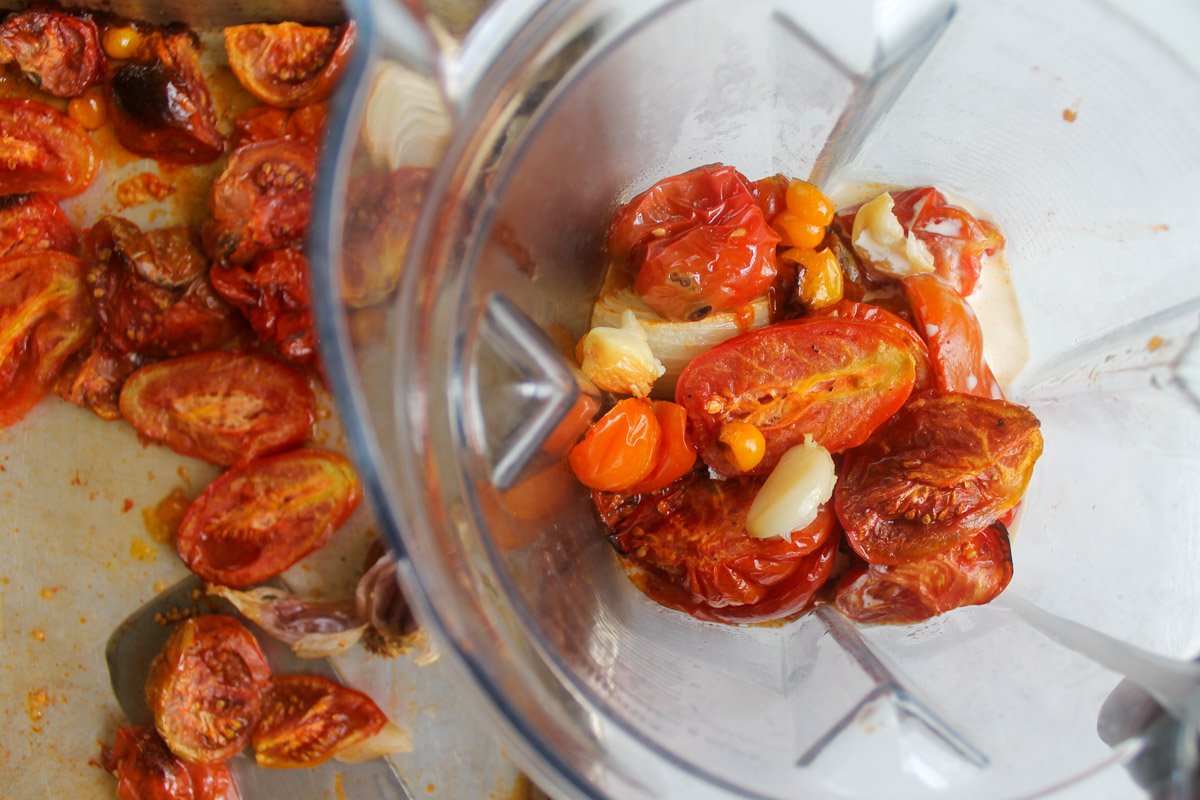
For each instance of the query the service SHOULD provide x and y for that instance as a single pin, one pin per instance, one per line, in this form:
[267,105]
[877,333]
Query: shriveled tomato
[952,332]
[957,239]
[289,64]
[44,150]
[257,520]
[308,720]
[619,449]
[697,243]
[224,407]
[691,539]
[206,688]
[305,124]
[160,102]
[381,215]
[848,309]
[940,470]
[94,376]
[44,318]
[771,194]
[970,573]
[261,200]
[60,52]
[675,455]
[836,379]
[32,223]
[146,770]
[272,293]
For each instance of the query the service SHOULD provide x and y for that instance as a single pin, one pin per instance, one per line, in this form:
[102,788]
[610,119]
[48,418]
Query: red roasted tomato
[305,124]
[848,309]
[308,720]
[836,379]
[955,339]
[696,243]
[206,688]
[940,470]
[147,770]
[257,520]
[33,223]
[272,293]
[957,240]
[59,52]
[226,408]
[289,64]
[44,151]
[93,378]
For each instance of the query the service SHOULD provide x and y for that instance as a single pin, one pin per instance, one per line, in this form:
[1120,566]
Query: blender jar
[458,243]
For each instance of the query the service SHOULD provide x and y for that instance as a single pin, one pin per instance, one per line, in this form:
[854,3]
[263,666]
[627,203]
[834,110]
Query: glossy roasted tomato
[952,332]
[867,312]
[940,470]
[261,200]
[44,151]
[308,720]
[272,293]
[45,317]
[619,449]
[305,124]
[675,455]
[289,64]
[160,103]
[257,520]
[697,243]
[224,407]
[58,51]
[206,688]
[771,194]
[836,379]
[957,239]
[146,770]
[972,572]
[381,216]
[93,378]
[33,223]
[691,540]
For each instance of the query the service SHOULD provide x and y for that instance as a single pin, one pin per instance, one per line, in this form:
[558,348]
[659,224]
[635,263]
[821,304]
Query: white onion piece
[390,739]
[406,122]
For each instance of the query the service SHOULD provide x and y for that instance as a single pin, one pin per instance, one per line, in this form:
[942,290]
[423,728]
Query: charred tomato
[33,223]
[308,720]
[146,770]
[44,151]
[288,64]
[58,51]
[272,293]
[94,376]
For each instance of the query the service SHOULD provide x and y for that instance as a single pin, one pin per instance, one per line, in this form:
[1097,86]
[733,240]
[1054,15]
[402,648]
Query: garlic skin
[879,240]
[619,360]
[793,493]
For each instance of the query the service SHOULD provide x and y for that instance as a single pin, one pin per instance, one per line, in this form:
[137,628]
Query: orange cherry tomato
[122,42]
[808,202]
[308,720]
[676,454]
[619,449]
[289,64]
[89,109]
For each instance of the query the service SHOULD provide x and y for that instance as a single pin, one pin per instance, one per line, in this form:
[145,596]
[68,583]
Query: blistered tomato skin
[288,64]
[308,720]
[44,150]
[224,407]
[94,376]
[147,770]
[34,223]
[58,51]
[272,293]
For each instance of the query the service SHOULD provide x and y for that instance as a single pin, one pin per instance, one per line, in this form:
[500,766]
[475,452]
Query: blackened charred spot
[145,94]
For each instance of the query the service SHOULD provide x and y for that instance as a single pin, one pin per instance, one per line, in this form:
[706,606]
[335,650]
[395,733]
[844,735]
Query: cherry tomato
[952,332]
[261,200]
[257,520]
[224,407]
[972,572]
[160,103]
[44,150]
[45,317]
[675,455]
[206,688]
[94,376]
[956,238]
[58,51]
[33,223]
[89,109]
[122,41]
[848,309]
[937,472]
[308,720]
[836,379]
[771,194]
[147,770]
[691,539]
[619,449]
[289,64]
[698,243]
[382,213]
[272,293]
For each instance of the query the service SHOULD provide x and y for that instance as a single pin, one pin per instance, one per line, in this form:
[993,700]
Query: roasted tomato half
[272,293]
[255,521]
[147,770]
[261,200]
[34,223]
[289,64]
[206,688]
[697,243]
[94,376]
[308,720]
[836,379]
[44,150]
[45,317]
[305,124]
[957,239]
[970,573]
[226,408]
[382,214]
[160,103]
[691,542]
[955,339]
[59,52]
[867,312]
[940,470]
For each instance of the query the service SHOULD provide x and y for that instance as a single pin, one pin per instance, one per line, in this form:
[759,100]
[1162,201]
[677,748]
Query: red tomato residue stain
[1154,343]
[36,702]
[127,506]
[1069,114]
[337,786]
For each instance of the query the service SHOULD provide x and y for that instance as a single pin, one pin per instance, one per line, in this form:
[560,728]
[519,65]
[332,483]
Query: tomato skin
[206,687]
[94,376]
[848,309]
[619,449]
[33,223]
[147,770]
[308,720]
[972,572]
[224,407]
[836,379]
[272,293]
[957,239]
[59,52]
[304,124]
[256,520]
[940,470]
[45,151]
[952,332]
[675,455]
[288,64]
[771,194]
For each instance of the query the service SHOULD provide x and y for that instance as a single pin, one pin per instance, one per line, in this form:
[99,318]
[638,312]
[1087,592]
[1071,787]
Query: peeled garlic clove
[793,493]
[619,360]
[880,241]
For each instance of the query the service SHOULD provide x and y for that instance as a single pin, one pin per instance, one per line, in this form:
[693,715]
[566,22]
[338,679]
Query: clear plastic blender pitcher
[1075,124]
